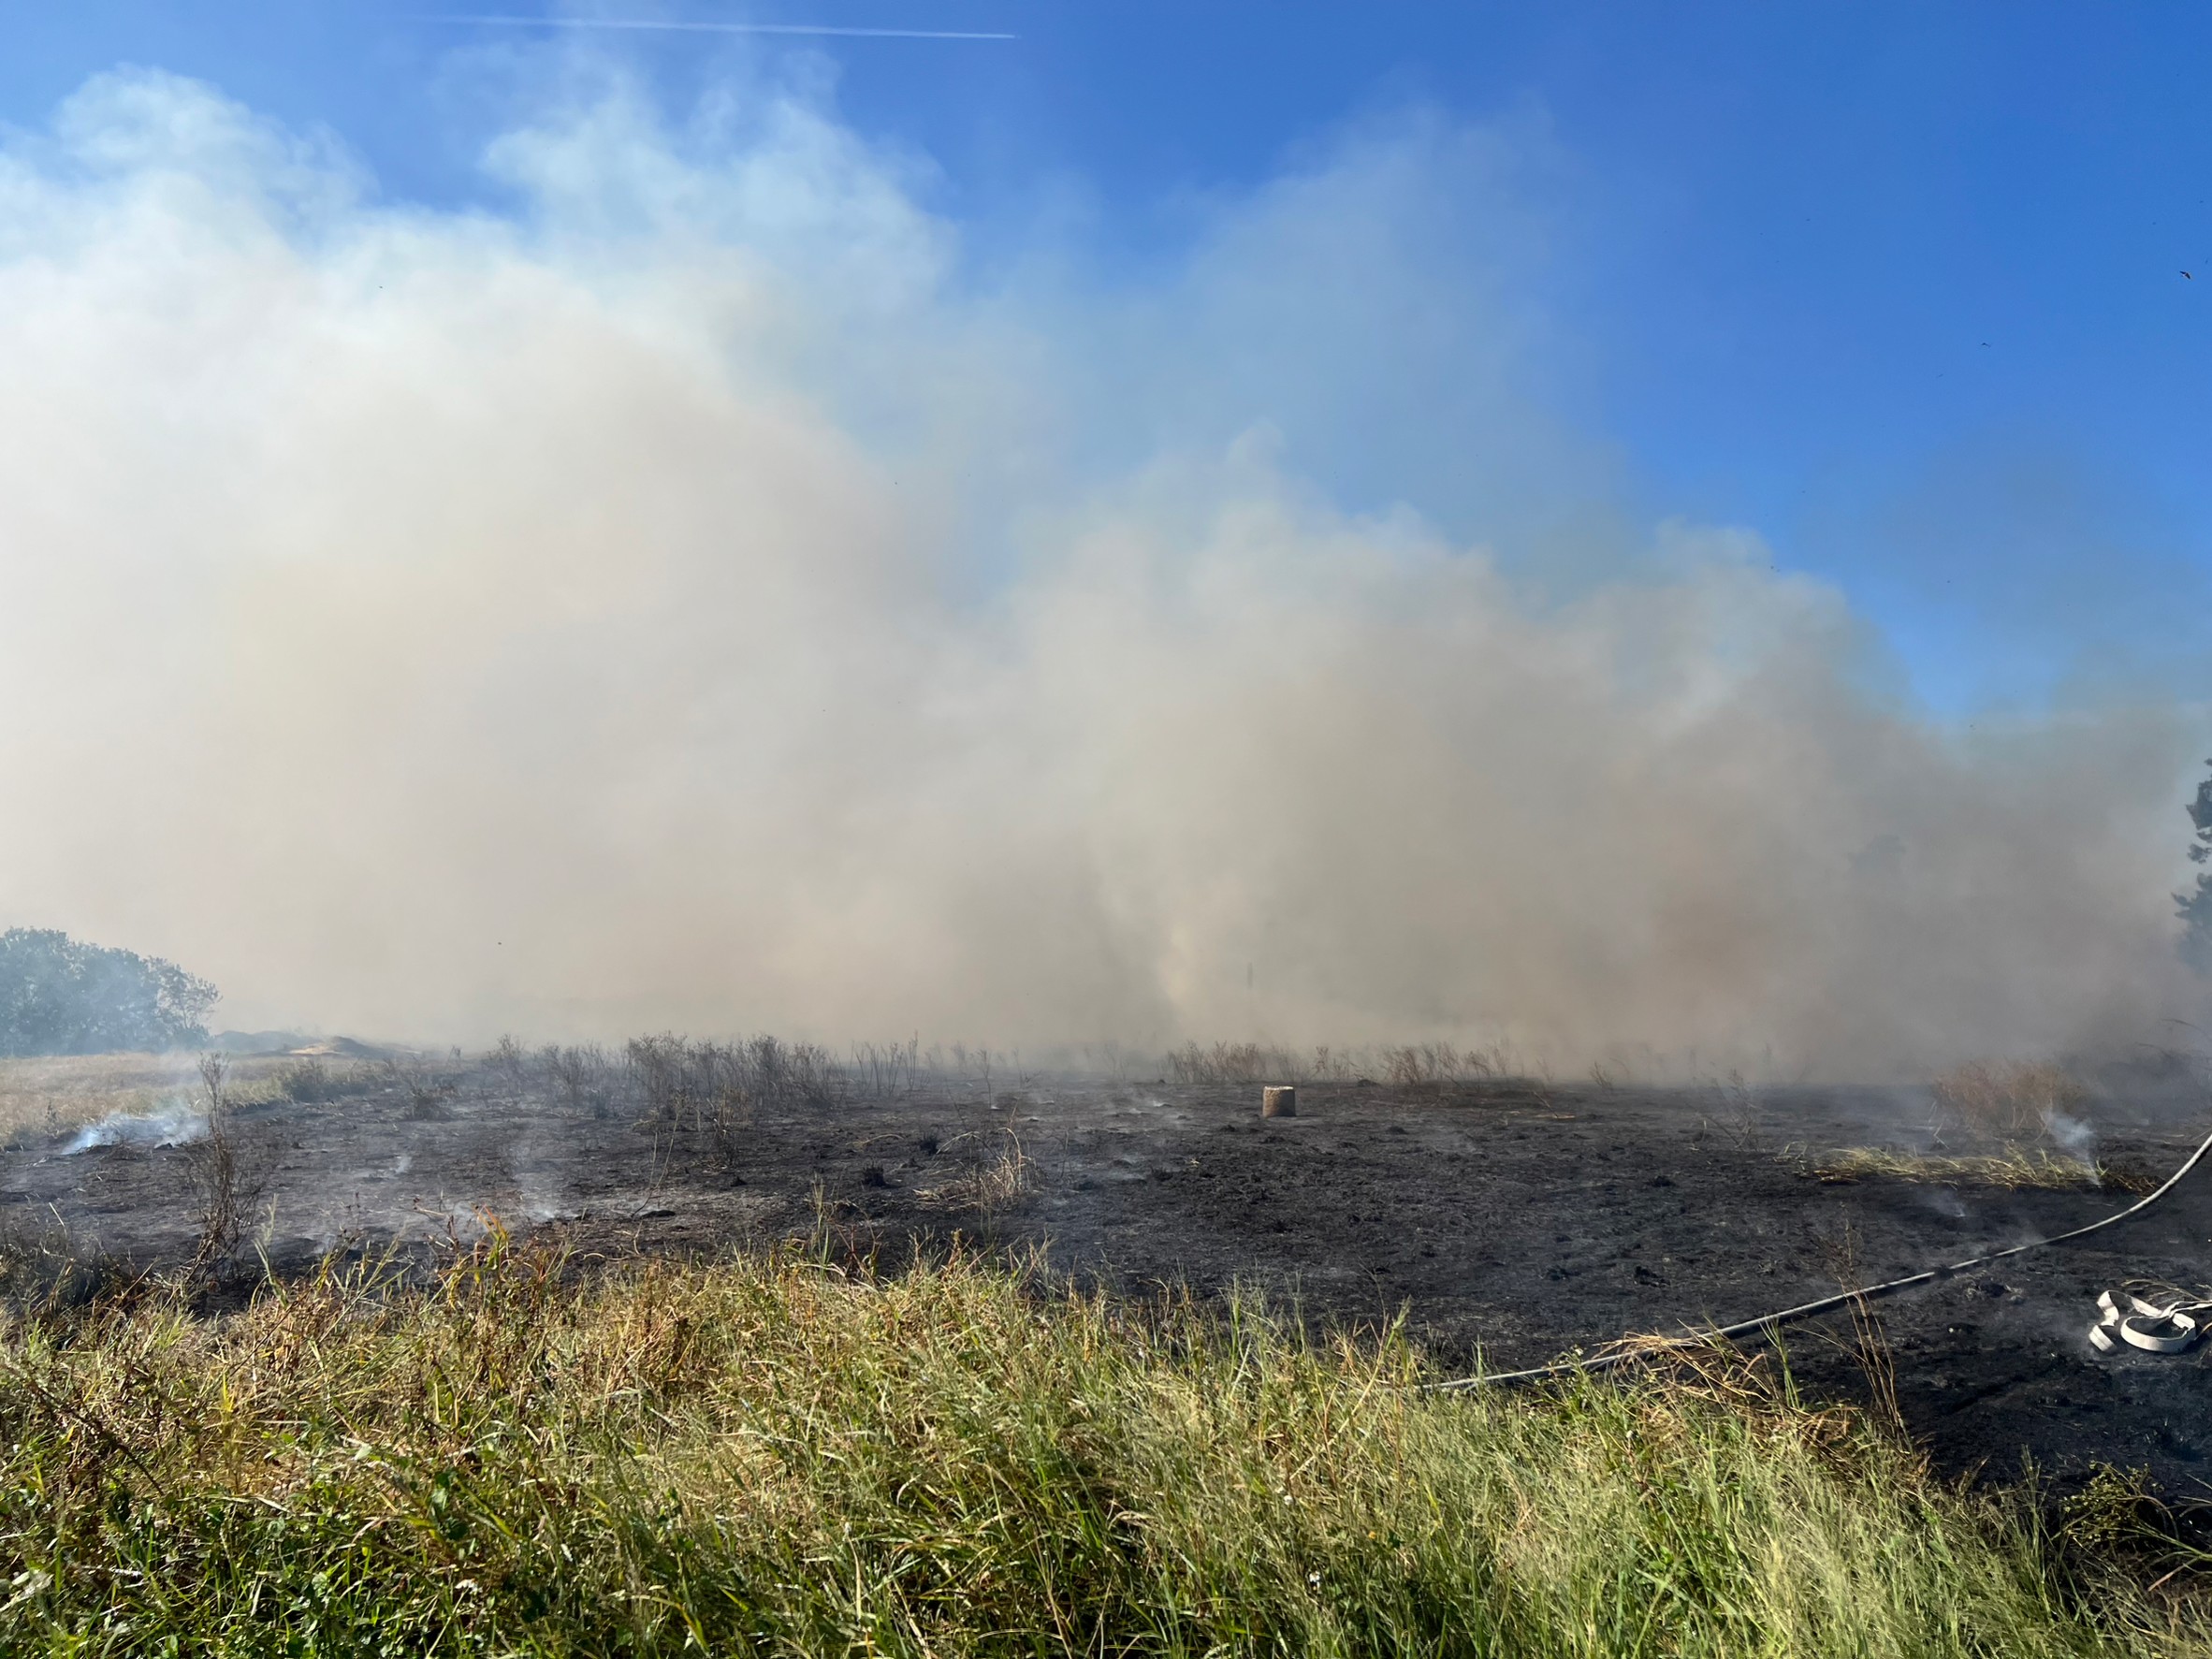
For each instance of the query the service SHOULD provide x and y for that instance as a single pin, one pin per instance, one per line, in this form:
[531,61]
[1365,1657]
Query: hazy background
[705,578]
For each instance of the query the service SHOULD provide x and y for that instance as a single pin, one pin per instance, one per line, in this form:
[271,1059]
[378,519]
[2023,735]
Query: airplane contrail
[649,23]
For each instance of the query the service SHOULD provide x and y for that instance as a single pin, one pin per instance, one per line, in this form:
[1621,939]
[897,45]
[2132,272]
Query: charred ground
[1507,1221]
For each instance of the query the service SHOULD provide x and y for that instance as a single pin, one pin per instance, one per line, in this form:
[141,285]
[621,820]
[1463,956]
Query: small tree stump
[1278,1100]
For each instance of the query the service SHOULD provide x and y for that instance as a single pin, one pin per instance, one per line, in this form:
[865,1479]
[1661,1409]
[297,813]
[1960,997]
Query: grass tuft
[993,1186]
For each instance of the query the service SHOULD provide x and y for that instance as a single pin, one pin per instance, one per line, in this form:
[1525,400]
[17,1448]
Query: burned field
[1508,1222]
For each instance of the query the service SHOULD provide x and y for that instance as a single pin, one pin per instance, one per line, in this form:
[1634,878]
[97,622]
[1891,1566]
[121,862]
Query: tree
[58,997]
[2196,907]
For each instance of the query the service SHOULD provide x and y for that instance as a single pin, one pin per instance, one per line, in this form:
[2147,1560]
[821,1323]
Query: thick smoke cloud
[699,599]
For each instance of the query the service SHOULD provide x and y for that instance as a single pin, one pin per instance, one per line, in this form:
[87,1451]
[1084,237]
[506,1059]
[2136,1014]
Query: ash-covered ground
[1512,1219]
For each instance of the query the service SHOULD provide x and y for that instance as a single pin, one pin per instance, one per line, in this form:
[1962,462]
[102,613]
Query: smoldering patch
[175,1123]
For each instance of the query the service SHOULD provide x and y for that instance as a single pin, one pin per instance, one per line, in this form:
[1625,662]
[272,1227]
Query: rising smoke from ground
[697,599]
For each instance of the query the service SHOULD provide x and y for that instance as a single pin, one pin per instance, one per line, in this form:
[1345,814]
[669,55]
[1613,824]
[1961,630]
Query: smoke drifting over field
[701,599]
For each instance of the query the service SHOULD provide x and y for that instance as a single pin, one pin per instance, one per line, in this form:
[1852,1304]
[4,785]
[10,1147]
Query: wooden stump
[1278,1102]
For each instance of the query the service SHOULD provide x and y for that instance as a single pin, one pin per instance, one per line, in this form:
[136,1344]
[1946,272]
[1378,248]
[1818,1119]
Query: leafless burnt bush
[227,1178]
[690,1090]
[583,1078]
[1416,1067]
[882,1072]
[789,1075]
[510,1063]
[706,1095]
[1406,1066]
[657,1066]
[1426,1065]
[1110,1059]
[425,1090]
[310,1083]
[761,1072]
[973,1067]
[1231,1062]
[1332,1065]
[1739,1113]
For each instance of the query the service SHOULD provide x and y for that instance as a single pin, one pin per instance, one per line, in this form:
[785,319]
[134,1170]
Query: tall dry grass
[1404,1066]
[52,1094]
[772,1456]
[2014,1102]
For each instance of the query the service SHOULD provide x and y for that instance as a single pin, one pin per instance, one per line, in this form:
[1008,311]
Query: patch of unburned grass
[50,1096]
[2015,1169]
[55,1094]
[2012,1100]
[770,1455]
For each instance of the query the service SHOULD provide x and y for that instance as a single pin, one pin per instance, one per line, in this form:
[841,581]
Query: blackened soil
[1507,1221]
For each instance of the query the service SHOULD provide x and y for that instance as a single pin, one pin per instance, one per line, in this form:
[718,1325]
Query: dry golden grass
[2015,1168]
[998,1185]
[2012,1100]
[54,1094]
[49,1096]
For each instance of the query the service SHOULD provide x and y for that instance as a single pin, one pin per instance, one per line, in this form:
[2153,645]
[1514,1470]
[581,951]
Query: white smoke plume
[701,598]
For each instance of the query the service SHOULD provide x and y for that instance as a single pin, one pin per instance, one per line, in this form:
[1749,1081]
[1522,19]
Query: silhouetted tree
[2196,907]
[58,997]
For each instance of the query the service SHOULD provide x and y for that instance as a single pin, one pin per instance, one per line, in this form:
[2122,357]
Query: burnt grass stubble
[1512,1220]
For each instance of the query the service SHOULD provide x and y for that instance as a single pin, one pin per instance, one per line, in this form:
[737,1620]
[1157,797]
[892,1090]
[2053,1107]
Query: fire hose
[2156,1330]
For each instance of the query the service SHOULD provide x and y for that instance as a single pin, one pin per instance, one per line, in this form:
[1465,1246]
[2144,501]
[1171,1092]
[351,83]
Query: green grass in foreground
[771,1456]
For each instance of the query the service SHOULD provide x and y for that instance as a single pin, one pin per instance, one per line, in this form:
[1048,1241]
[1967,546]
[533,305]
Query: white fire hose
[2169,1330]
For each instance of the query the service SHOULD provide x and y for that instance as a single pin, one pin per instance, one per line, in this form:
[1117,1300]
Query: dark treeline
[59,996]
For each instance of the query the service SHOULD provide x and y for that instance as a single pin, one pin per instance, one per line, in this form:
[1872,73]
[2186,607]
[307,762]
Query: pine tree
[2196,907]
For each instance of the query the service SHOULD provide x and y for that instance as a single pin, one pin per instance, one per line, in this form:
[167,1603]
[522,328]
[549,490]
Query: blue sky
[1898,287]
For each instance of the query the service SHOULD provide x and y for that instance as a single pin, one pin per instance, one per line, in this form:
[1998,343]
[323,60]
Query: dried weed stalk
[225,1181]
